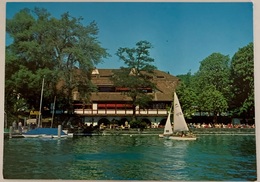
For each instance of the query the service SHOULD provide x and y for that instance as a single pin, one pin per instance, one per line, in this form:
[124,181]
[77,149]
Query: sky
[182,34]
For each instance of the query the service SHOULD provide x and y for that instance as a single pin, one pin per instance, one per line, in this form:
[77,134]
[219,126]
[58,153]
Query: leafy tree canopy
[45,46]
[136,76]
[212,100]
[242,76]
[188,99]
[214,70]
[220,85]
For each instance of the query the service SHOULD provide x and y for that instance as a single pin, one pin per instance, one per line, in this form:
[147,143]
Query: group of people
[19,127]
[218,125]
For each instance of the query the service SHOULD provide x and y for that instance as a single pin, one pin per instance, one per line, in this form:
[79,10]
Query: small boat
[44,133]
[168,127]
[180,130]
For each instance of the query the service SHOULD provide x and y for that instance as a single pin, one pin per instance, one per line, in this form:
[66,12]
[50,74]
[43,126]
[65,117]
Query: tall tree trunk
[215,118]
[70,106]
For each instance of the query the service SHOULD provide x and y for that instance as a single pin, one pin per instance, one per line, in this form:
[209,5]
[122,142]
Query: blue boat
[44,132]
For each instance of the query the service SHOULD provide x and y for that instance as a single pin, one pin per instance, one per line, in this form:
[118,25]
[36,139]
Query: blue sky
[182,34]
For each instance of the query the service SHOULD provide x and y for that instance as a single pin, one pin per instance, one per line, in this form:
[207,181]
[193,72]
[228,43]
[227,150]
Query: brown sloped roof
[117,96]
[109,96]
[103,78]
[166,84]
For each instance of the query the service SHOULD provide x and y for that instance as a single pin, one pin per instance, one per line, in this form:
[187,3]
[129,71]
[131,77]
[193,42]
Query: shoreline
[196,131]
[157,131]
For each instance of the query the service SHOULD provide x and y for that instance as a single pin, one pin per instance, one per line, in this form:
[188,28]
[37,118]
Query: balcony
[120,112]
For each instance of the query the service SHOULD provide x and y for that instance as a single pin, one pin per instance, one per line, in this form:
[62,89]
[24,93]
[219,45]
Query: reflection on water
[176,151]
[224,158]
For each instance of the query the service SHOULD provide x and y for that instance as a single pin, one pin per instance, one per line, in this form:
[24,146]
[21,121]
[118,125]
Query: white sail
[179,120]
[168,125]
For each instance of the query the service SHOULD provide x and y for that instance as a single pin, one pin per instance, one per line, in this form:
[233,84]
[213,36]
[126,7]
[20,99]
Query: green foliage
[186,79]
[138,124]
[188,99]
[212,84]
[44,46]
[220,85]
[212,100]
[242,76]
[137,58]
[134,123]
[137,75]
[214,70]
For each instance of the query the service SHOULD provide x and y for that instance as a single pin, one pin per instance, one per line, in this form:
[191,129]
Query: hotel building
[109,103]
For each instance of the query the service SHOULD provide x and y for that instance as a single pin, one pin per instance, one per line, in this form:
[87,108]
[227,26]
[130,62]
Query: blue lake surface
[211,158]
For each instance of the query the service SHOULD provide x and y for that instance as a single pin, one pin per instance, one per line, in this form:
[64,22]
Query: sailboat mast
[40,110]
[53,111]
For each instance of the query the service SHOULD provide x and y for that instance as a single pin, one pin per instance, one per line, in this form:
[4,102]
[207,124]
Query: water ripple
[224,158]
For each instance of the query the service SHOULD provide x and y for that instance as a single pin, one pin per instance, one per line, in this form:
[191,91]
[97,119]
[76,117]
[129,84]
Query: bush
[138,124]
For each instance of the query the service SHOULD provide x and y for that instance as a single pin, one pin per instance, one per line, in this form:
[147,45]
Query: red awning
[114,105]
[122,89]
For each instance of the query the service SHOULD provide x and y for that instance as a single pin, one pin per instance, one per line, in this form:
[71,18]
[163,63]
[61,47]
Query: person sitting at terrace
[217,125]
[203,125]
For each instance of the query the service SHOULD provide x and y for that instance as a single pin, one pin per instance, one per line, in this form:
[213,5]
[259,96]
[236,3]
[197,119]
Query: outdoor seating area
[220,125]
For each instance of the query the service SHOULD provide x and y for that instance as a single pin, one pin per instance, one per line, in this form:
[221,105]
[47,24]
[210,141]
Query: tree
[62,50]
[212,101]
[186,79]
[136,76]
[188,99]
[242,76]
[76,51]
[187,95]
[214,70]
[213,81]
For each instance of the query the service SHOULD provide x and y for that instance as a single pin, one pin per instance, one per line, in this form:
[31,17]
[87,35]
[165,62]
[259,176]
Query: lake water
[211,157]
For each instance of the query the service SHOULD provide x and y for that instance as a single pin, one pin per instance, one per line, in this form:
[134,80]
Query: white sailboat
[168,126]
[180,124]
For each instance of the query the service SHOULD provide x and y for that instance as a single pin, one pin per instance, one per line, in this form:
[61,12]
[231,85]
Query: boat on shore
[180,129]
[45,133]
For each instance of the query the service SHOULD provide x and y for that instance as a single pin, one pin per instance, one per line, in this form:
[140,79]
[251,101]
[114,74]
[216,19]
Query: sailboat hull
[182,138]
[44,133]
[164,136]
[44,136]
[161,135]
[30,136]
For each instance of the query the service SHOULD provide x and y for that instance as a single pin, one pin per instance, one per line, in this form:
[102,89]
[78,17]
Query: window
[105,76]
[158,105]
[106,89]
